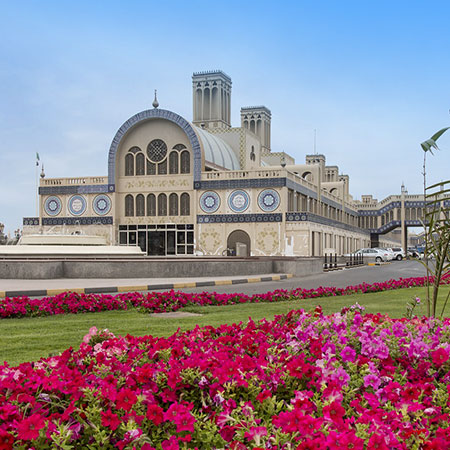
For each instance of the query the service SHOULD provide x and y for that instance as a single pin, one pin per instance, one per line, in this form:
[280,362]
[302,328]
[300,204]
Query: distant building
[175,187]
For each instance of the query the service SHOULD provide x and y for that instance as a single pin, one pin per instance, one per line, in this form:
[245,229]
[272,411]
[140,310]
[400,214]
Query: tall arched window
[185,162]
[151,205]
[151,168]
[173,162]
[129,206]
[140,164]
[140,205]
[173,205]
[129,165]
[162,168]
[185,206]
[162,205]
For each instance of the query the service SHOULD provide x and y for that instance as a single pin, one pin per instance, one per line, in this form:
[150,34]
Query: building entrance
[159,240]
[238,243]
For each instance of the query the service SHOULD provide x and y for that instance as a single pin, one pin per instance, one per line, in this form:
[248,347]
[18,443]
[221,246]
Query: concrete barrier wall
[164,269]
[31,270]
[157,268]
[298,267]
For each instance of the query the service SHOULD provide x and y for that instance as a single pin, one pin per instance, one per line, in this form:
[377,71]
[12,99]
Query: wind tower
[211,92]
[257,119]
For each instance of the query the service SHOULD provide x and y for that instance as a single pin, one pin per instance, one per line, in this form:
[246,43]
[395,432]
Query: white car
[378,254]
[389,252]
[399,253]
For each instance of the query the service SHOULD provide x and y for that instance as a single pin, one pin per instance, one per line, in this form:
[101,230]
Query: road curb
[147,287]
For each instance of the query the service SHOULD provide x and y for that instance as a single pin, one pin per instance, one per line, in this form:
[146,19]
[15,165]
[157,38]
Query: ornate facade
[176,187]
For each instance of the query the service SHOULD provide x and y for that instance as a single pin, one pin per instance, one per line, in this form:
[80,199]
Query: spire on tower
[155,101]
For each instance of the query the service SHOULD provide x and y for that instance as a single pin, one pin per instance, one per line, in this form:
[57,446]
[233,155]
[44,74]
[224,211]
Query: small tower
[257,119]
[211,93]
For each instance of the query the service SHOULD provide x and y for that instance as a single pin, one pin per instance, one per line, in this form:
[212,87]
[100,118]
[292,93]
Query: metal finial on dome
[155,102]
[42,172]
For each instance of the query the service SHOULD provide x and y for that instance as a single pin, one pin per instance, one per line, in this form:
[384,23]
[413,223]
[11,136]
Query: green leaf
[437,135]
[431,143]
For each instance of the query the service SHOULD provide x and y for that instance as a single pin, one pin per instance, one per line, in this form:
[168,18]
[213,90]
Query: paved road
[339,278]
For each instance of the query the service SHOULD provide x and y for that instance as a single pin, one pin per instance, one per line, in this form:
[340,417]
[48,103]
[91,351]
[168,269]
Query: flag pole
[37,183]
[37,192]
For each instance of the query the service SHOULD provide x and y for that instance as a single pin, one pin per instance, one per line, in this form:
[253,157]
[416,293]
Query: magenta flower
[28,429]
[348,354]
[372,380]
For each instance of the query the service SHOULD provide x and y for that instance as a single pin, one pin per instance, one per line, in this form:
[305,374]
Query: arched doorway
[236,242]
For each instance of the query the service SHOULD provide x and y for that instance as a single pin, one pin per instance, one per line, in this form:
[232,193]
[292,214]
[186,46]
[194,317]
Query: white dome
[217,151]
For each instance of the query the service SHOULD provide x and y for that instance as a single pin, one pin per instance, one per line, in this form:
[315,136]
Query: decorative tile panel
[239,218]
[52,205]
[77,205]
[268,200]
[101,204]
[30,221]
[239,201]
[209,202]
[108,220]
[81,189]
[241,183]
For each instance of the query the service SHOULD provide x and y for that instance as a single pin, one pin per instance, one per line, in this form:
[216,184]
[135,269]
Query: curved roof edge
[152,114]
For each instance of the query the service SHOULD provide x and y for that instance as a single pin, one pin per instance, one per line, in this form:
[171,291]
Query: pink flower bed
[302,381]
[154,302]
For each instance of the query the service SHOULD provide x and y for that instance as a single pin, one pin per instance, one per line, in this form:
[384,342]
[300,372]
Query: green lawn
[32,338]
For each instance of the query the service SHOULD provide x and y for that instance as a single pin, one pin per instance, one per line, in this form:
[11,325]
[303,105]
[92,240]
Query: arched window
[185,162]
[129,206]
[173,162]
[173,205]
[140,164]
[151,168]
[307,176]
[140,205]
[129,165]
[151,205]
[162,168]
[185,206]
[162,205]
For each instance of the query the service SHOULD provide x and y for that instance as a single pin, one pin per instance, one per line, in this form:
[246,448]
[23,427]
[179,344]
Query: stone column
[402,217]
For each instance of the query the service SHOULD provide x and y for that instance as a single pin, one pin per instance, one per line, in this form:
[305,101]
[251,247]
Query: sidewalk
[40,288]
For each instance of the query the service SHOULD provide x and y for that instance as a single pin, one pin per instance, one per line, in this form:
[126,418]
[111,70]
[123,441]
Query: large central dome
[217,151]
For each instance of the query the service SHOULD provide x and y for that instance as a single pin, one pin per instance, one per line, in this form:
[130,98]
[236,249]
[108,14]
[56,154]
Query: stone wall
[163,268]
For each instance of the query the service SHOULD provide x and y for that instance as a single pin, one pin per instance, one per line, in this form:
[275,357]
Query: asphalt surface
[244,284]
[339,278]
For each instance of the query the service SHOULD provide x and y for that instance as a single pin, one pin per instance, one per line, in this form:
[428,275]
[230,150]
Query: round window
[157,150]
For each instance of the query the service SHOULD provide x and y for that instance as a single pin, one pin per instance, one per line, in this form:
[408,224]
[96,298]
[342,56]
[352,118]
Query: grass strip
[31,338]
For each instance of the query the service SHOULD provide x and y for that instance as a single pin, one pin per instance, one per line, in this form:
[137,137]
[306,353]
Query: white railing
[73,181]
[240,174]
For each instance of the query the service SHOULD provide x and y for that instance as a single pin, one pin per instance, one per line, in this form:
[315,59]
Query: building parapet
[255,174]
[77,181]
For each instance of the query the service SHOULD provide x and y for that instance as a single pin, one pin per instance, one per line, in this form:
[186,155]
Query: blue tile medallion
[239,201]
[52,205]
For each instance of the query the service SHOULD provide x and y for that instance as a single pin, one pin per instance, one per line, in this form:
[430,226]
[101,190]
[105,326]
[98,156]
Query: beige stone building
[203,187]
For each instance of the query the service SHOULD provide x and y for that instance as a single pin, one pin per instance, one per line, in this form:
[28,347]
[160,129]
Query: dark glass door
[157,243]
[142,240]
[171,242]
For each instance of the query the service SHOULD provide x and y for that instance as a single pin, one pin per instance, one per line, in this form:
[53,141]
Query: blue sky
[371,77]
